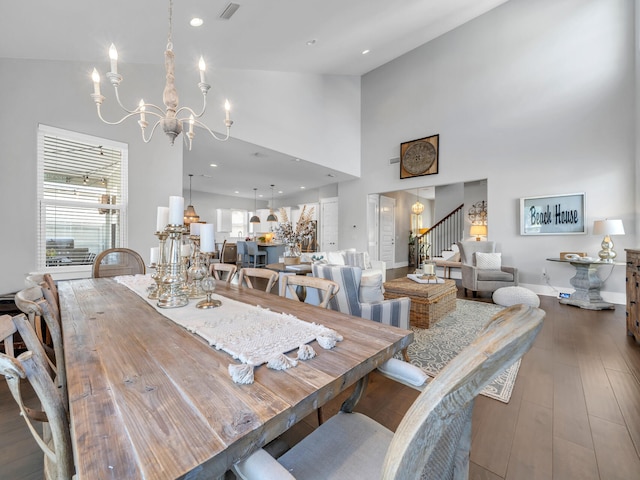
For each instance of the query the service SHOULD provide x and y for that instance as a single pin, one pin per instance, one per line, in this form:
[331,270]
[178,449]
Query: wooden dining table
[150,400]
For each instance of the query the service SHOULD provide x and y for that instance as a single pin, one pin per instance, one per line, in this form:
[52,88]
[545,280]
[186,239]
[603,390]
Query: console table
[587,283]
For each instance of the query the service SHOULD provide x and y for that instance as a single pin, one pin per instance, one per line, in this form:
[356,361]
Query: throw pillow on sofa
[488,261]
[371,289]
[358,259]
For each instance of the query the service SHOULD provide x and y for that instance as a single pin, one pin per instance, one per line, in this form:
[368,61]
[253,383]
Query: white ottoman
[507,296]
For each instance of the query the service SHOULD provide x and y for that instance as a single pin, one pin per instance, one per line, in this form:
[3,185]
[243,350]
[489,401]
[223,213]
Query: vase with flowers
[293,235]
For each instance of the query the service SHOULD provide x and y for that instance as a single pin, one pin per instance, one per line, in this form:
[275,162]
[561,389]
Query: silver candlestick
[160,266]
[208,285]
[172,292]
[197,271]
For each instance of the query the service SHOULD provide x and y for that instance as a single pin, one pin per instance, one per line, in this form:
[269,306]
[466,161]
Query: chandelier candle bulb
[202,67]
[176,210]
[227,109]
[191,122]
[141,107]
[162,218]
[113,56]
[95,76]
[207,244]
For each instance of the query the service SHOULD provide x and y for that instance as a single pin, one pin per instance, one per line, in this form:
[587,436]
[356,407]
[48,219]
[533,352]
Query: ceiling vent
[229,11]
[393,161]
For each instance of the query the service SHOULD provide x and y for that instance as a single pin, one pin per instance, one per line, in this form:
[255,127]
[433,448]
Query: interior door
[329,224]
[388,230]
[373,217]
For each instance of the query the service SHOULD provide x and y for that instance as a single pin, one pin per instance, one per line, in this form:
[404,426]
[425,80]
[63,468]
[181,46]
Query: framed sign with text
[553,215]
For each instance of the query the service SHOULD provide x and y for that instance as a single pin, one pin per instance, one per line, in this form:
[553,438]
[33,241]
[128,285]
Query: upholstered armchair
[390,312]
[482,269]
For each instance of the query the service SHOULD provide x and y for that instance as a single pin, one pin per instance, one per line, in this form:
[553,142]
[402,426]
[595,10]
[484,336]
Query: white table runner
[250,334]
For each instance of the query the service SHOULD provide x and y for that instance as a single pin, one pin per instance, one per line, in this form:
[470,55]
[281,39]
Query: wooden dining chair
[433,439]
[55,440]
[216,270]
[32,302]
[245,275]
[327,289]
[118,261]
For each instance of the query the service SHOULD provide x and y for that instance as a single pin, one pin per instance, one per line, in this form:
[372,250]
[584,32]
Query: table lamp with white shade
[478,231]
[607,228]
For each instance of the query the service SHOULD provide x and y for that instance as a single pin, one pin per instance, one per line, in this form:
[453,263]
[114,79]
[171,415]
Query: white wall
[537,97]
[57,94]
[314,117]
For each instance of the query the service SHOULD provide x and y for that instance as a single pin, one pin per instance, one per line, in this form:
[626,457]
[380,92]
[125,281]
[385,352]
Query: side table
[587,283]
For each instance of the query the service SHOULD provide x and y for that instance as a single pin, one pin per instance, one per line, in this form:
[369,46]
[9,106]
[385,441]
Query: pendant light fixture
[255,218]
[417,207]
[272,216]
[190,215]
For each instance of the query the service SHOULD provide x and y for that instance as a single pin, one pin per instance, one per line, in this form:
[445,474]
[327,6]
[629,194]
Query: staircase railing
[438,238]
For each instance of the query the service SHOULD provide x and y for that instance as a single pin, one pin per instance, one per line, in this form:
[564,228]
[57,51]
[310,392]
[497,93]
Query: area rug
[433,348]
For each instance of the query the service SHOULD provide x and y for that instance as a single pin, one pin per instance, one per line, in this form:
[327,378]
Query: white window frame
[44,130]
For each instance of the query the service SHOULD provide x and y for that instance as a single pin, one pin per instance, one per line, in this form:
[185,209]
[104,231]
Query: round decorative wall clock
[419,157]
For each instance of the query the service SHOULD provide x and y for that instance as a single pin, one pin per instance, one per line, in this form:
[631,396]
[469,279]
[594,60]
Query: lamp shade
[478,230]
[608,227]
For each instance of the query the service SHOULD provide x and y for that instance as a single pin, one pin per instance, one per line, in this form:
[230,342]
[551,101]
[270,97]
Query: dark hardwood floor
[574,412]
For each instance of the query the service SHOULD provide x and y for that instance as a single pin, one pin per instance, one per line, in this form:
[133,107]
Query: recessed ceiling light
[364,52]
[236,191]
[213,165]
[196,22]
[311,42]
[302,187]
[280,191]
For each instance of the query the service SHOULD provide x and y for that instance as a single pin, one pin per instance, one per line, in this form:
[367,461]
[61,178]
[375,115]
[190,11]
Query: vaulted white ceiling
[261,35]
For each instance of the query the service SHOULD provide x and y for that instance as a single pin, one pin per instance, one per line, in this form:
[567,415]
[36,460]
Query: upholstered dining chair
[217,270]
[247,273]
[32,302]
[327,289]
[482,269]
[433,439]
[258,257]
[393,312]
[55,440]
[241,252]
[118,261]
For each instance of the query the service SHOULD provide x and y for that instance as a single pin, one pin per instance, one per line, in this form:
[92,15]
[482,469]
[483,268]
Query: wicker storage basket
[429,302]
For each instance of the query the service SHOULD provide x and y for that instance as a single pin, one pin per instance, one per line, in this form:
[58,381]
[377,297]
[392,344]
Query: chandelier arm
[190,110]
[137,110]
[147,140]
[115,87]
[118,122]
[213,134]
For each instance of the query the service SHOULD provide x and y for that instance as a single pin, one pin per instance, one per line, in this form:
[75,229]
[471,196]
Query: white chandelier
[417,208]
[169,118]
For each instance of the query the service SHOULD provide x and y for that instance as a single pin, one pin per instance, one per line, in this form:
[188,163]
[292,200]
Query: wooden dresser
[633,293]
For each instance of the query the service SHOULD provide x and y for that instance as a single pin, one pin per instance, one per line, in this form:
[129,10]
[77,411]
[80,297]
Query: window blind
[82,198]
